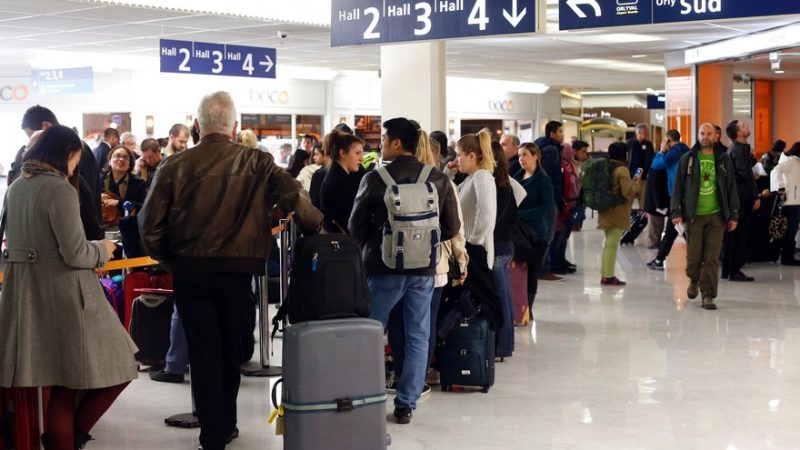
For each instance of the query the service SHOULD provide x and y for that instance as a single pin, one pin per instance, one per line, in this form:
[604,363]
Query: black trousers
[214,307]
[736,242]
[667,241]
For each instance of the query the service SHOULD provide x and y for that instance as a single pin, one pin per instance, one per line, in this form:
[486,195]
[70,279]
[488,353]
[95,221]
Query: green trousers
[610,247]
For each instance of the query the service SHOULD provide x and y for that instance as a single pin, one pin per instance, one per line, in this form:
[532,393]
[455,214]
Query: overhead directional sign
[359,22]
[217,59]
[578,14]
[76,80]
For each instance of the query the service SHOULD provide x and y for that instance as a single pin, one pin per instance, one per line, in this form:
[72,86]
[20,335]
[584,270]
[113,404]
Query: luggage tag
[280,421]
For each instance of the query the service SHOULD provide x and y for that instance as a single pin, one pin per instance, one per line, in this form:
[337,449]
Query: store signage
[578,14]
[78,80]
[501,105]
[269,96]
[14,93]
[361,22]
[217,59]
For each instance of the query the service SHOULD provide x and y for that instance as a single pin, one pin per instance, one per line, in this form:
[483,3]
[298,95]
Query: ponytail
[486,156]
[424,152]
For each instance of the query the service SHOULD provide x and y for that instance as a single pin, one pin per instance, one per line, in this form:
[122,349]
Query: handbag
[111,214]
[525,240]
[778,223]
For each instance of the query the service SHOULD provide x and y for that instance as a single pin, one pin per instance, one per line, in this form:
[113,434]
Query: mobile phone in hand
[638,173]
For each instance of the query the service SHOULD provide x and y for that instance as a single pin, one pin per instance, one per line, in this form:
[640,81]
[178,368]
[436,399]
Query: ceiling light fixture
[783,37]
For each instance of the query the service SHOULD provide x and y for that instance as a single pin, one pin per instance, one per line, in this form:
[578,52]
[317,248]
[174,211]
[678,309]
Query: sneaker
[426,389]
[166,377]
[402,415]
[693,291]
[391,386]
[612,281]
[434,378]
[656,264]
[550,277]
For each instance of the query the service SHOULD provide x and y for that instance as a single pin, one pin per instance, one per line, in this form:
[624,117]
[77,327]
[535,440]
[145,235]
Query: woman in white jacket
[787,174]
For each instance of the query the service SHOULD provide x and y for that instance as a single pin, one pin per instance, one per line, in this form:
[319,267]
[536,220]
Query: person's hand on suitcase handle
[110,247]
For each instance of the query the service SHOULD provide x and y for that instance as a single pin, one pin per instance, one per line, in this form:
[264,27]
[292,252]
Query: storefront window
[368,128]
[95,124]
[474,126]
[268,127]
[309,125]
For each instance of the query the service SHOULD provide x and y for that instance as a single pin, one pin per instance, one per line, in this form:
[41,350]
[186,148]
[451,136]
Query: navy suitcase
[466,356]
[638,224]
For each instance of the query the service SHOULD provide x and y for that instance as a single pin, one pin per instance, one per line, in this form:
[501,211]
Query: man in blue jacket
[672,150]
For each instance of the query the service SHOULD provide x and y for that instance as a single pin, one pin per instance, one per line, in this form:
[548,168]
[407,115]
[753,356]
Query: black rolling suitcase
[638,224]
[466,355]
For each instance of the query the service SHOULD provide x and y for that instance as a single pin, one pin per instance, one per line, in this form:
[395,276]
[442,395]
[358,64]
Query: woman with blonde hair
[478,198]
[247,138]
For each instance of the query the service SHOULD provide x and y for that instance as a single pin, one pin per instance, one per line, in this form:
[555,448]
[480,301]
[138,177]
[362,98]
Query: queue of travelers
[62,195]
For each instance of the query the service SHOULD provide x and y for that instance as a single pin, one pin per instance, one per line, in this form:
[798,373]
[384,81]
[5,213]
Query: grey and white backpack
[411,234]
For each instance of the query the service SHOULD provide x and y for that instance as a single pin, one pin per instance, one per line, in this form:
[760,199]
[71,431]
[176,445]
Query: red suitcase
[19,418]
[519,291]
[142,280]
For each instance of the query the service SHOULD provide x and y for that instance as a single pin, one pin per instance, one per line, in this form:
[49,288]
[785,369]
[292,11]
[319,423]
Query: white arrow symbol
[517,16]
[574,4]
[268,62]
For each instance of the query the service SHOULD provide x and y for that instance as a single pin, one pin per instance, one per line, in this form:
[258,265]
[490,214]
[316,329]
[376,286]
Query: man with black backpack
[401,246]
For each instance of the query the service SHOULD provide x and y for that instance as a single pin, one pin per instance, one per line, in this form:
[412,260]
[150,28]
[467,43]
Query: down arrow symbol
[515,18]
[575,5]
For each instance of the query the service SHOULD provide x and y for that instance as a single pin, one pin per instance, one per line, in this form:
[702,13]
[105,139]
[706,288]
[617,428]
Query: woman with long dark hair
[56,327]
[504,250]
[120,185]
[536,208]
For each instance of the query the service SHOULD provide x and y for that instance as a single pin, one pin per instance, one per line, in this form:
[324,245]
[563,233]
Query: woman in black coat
[338,192]
[119,185]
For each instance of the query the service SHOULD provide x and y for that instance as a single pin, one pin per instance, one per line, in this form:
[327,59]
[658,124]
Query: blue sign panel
[666,11]
[78,80]
[359,22]
[656,102]
[579,14]
[217,59]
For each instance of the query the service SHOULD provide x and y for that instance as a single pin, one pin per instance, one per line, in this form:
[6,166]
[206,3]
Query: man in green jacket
[705,199]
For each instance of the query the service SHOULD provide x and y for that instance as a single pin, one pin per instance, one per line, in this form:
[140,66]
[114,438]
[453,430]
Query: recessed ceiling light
[638,56]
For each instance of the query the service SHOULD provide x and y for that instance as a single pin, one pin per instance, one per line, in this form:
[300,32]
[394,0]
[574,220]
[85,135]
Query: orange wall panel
[680,97]
[709,106]
[762,117]
[786,108]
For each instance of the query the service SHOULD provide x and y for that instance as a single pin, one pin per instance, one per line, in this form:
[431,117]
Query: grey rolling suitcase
[334,389]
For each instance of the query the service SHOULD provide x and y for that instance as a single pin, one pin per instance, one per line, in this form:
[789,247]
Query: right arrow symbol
[575,5]
[515,18]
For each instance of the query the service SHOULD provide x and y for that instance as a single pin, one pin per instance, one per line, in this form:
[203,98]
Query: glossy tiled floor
[638,367]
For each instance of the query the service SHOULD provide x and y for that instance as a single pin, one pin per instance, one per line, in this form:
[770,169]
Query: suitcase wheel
[485,389]
[446,388]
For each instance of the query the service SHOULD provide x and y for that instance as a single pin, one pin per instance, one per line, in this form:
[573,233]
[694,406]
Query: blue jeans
[414,293]
[397,336]
[502,282]
[178,355]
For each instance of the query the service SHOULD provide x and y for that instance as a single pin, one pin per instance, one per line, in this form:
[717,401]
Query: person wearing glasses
[120,185]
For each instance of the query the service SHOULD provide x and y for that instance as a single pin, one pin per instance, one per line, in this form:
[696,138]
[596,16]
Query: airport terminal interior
[602,365]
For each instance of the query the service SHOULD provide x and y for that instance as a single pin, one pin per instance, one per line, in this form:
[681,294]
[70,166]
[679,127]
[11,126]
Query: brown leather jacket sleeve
[288,194]
[152,219]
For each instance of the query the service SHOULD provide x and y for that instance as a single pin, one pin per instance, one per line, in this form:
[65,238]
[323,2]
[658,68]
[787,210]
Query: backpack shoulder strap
[424,173]
[385,176]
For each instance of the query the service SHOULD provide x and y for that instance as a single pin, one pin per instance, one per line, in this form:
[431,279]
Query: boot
[787,254]
[81,439]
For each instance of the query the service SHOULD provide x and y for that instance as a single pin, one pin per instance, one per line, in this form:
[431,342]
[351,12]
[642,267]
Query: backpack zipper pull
[314,262]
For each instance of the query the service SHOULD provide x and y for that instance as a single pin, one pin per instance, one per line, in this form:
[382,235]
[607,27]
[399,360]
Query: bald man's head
[706,135]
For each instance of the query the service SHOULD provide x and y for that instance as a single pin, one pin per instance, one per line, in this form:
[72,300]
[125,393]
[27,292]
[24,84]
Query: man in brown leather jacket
[207,217]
